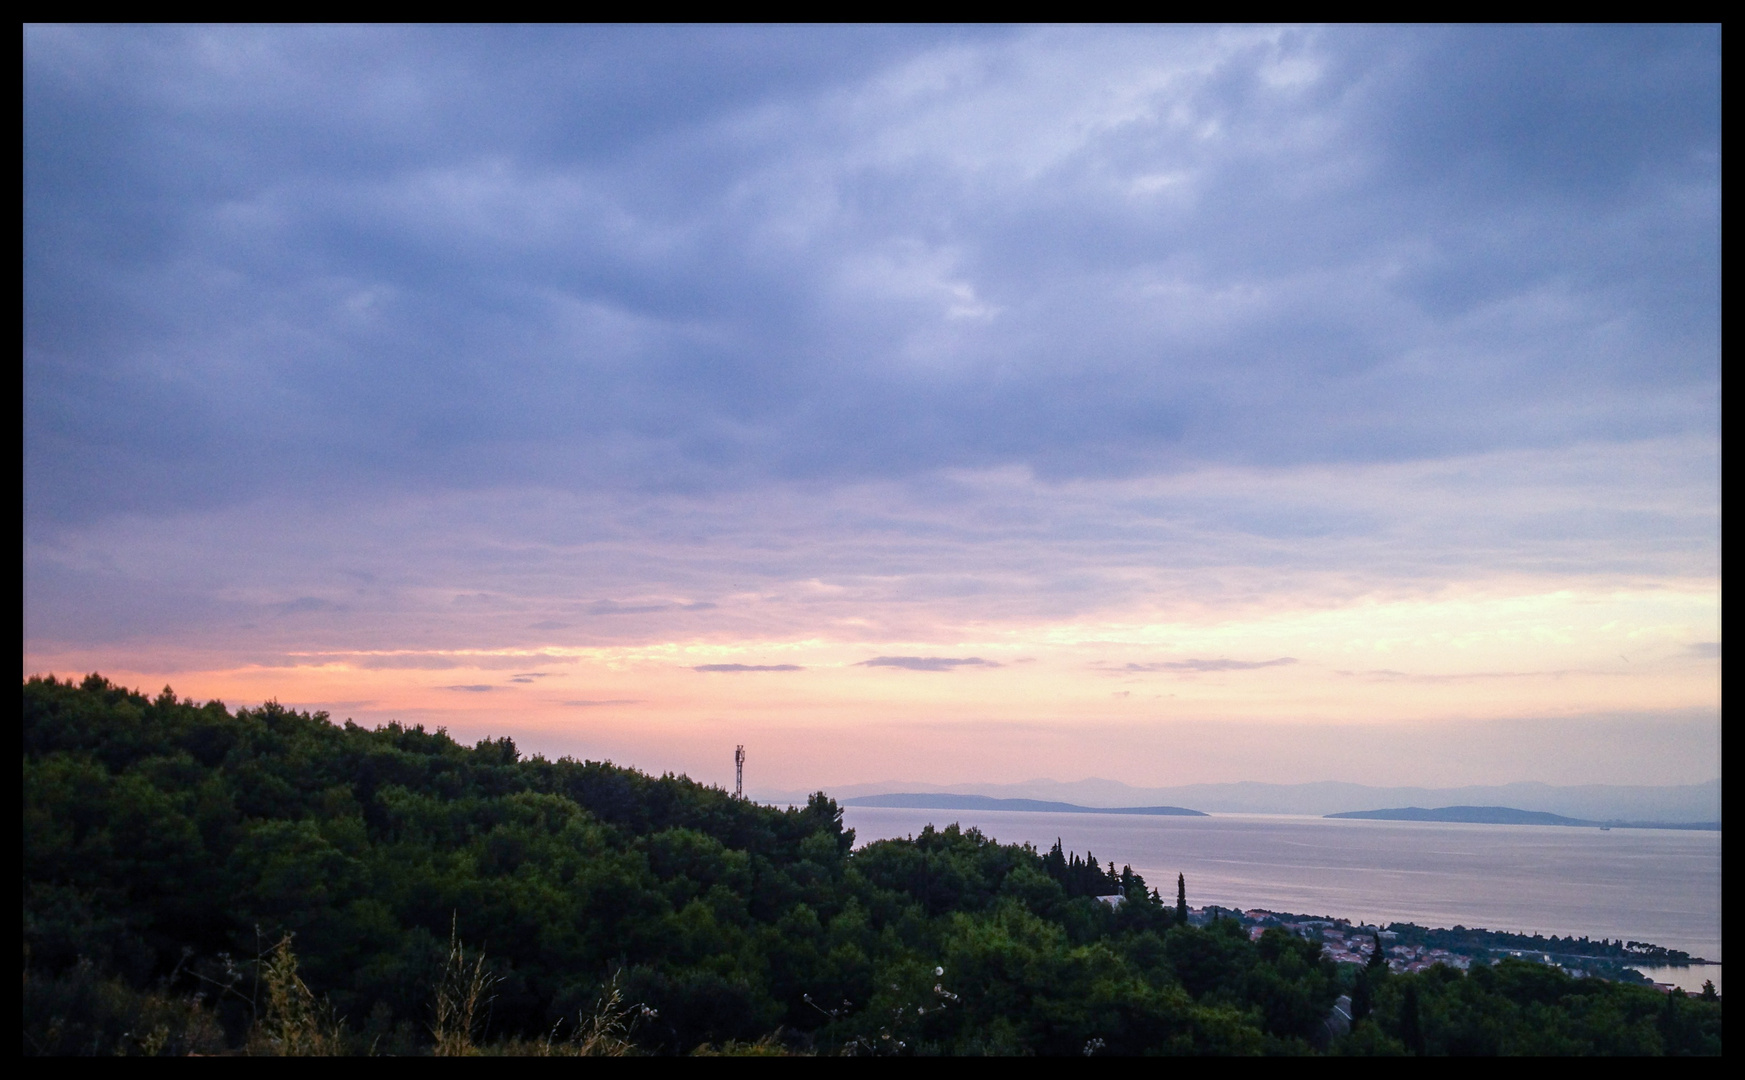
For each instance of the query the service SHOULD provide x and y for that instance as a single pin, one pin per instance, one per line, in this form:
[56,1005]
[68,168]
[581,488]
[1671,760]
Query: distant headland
[1508,815]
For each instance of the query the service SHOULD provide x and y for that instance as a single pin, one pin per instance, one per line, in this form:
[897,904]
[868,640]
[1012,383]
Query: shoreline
[1421,873]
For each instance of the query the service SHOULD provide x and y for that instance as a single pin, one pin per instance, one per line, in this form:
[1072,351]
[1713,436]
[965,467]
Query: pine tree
[1181,899]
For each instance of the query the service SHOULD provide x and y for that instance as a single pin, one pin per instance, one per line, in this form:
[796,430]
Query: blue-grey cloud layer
[879,563]
[747,667]
[927,663]
[1209,665]
[301,262]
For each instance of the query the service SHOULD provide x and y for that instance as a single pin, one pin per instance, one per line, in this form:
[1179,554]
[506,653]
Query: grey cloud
[549,316]
[404,260]
[1389,675]
[748,667]
[438,662]
[305,604]
[1209,665]
[1707,650]
[972,548]
[412,663]
[926,663]
[612,607]
[475,688]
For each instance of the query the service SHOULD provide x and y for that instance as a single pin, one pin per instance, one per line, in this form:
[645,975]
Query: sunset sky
[931,404]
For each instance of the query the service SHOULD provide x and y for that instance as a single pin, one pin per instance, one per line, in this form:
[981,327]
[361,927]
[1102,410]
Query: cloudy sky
[1171,405]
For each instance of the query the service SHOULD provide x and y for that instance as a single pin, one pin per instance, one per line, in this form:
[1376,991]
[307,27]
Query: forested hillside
[202,880]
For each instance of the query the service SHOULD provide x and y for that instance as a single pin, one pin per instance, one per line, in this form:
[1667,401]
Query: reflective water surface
[1689,979]
[1657,885]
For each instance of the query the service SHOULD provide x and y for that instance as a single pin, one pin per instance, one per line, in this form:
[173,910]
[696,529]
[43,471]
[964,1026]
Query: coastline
[1661,886]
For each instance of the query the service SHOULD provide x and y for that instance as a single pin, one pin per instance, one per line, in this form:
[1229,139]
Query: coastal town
[1411,948]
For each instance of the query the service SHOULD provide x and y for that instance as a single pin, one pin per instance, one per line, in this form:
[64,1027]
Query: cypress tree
[1363,994]
[1411,1024]
[1181,899]
[1056,861]
[1377,958]
[1672,1029]
[1360,997]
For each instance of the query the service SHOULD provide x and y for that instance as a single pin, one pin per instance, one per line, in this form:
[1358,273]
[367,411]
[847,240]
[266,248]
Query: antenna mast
[739,772]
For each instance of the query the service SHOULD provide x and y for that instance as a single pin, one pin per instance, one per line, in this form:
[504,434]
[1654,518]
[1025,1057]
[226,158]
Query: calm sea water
[1657,885]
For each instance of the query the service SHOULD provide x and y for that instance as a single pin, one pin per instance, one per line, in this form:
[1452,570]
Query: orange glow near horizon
[1387,665]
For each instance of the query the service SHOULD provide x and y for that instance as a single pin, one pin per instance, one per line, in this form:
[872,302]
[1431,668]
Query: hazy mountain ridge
[1601,802]
[924,801]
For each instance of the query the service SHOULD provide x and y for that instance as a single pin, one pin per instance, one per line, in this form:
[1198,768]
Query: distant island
[1508,815]
[916,801]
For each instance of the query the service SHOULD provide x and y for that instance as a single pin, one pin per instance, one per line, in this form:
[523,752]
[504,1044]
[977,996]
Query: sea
[1657,885]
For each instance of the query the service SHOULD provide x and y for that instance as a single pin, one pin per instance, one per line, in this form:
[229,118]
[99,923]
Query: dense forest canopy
[184,864]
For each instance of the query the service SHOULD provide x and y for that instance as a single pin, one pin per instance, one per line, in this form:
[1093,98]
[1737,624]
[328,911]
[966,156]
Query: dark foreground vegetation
[265,881]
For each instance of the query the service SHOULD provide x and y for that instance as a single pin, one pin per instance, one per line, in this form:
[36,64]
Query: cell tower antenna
[739,771]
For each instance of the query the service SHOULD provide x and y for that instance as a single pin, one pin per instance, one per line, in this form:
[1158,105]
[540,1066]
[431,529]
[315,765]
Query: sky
[1172,405]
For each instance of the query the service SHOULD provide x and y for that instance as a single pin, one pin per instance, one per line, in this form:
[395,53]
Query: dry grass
[295,1024]
[463,996]
[770,1045]
[606,1033]
[290,1021]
